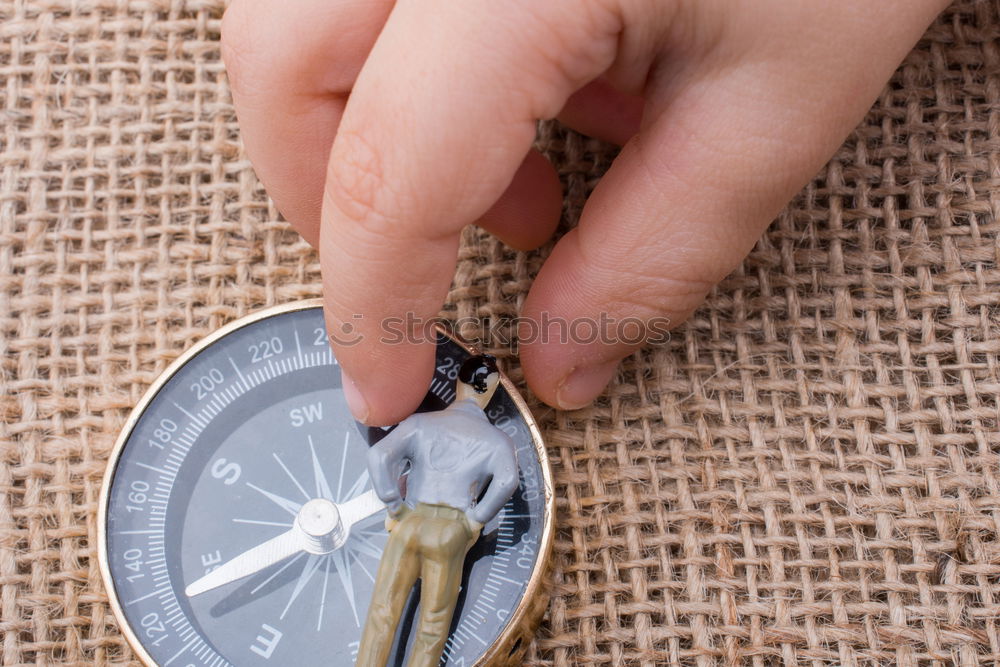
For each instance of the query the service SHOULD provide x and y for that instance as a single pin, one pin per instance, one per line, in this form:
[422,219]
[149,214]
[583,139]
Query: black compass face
[224,458]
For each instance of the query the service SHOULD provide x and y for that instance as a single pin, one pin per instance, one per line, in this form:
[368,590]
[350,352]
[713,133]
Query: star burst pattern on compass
[361,547]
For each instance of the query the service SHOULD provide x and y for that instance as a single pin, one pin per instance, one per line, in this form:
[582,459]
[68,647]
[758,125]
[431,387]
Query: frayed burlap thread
[808,473]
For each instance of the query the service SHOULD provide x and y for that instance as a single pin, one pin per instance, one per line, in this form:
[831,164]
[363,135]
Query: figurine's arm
[386,459]
[503,465]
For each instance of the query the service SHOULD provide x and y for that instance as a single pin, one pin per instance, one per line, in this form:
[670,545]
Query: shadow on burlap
[806,474]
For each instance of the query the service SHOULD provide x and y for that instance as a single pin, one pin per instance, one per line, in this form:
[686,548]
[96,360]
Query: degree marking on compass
[290,475]
[165,473]
[499,576]
[462,630]
[298,346]
[159,591]
[289,506]
[197,420]
[179,653]
[483,607]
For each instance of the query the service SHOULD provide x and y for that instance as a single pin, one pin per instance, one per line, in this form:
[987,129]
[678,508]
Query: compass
[238,525]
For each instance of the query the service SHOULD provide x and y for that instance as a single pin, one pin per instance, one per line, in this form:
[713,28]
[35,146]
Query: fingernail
[583,384]
[355,401]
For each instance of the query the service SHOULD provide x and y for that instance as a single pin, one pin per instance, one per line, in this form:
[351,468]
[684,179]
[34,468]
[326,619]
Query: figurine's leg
[397,572]
[440,579]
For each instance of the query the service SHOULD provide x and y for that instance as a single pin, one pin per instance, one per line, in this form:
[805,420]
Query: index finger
[439,120]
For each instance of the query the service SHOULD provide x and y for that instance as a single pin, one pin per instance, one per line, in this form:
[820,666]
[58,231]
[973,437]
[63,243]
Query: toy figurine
[449,456]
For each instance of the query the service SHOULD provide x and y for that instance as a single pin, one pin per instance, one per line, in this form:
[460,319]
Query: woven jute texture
[806,474]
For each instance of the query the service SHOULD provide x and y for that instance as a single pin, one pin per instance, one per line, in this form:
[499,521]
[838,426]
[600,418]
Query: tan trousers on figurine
[430,542]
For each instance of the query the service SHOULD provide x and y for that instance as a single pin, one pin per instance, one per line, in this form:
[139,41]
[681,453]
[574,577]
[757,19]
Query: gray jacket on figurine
[452,455]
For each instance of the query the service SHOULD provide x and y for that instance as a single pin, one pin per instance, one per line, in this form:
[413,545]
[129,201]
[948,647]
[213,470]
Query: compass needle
[360,508]
[255,522]
[249,562]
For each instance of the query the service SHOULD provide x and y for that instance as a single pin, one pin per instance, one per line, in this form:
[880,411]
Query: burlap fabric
[807,474]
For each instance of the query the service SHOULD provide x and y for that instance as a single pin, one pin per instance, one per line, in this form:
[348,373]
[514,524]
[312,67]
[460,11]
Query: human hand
[382,128]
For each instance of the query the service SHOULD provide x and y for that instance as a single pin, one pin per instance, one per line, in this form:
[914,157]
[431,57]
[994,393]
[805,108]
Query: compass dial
[238,525]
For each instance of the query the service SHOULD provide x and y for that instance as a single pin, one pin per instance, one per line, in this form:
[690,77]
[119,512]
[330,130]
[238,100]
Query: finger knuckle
[357,185]
[647,288]
[649,296]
